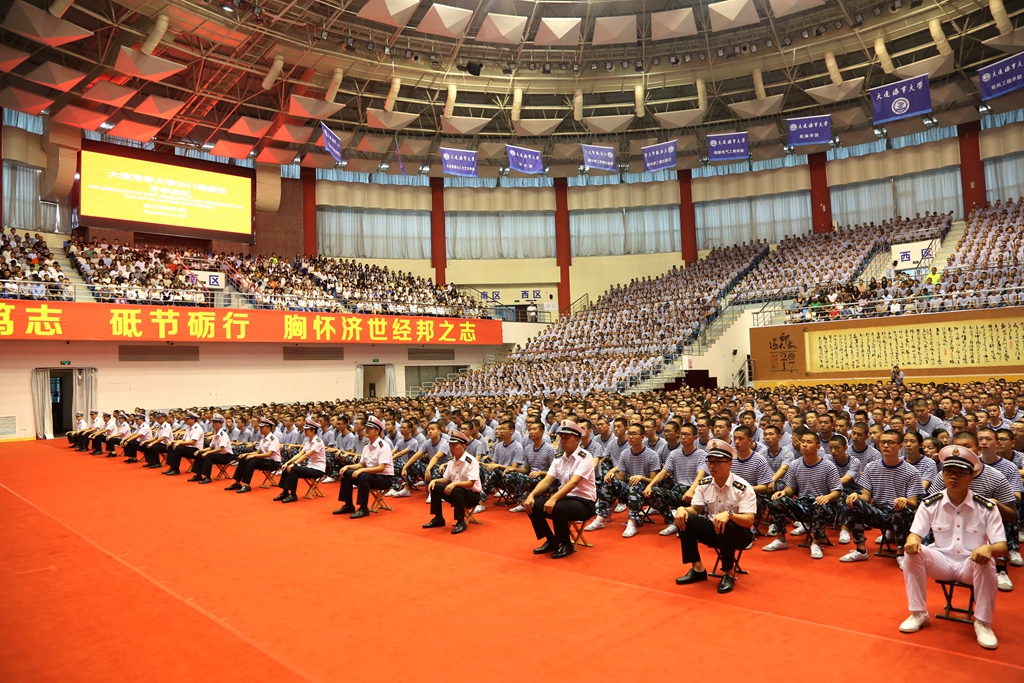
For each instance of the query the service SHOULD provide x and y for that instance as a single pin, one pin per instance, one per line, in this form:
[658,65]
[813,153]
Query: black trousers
[290,478]
[204,464]
[702,530]
[365,483]
[245,469]
[459,498]
[153,452]
[98,441]
[175,455]
[112,443]
[131,449]
[81,441]
[568,509]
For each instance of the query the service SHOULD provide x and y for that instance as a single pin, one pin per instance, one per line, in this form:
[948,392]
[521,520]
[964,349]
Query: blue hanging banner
[1002,77]
[460,162]
[728,146]
[659,157]
[332,143]
[900,100]
[810,130]
[599,158]
[524,160]
[398,152]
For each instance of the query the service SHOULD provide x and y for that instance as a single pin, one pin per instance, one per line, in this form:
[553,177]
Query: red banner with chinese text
[51,320]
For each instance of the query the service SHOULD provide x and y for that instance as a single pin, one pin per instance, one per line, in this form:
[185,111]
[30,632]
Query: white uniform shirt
[97,423]
[959,530]
[221,442]
[378,453]
[123,429]
[81,426]
[144,432]
[579,462]
[317,454]
[270,444]
[195,433]
[736,495]
[110,428]
[465,468]
[165,433]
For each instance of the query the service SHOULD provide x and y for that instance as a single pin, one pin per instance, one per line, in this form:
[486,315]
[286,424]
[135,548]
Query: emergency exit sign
[65,362]
[376,360]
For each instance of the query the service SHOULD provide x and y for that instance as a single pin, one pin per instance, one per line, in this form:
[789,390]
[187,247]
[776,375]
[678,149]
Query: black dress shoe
[95,452]
[564,550]
[434,523]
[360,513]
[245,488]
[129,461]
[692,576]
[289,498]
[194,477]
[206,480]
[233,487]
[152,465]
[111,455]
[727,584]
[459,527]
[171,473]
[344,510]
[548,547]
[281,496]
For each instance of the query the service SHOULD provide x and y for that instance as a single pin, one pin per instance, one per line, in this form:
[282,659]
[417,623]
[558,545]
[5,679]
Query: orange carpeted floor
[109,572]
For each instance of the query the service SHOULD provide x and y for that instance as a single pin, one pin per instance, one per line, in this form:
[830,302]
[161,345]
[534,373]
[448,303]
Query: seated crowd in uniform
[716,466]
[28,269]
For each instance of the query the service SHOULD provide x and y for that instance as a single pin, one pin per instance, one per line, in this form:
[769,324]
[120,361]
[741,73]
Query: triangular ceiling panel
[854,116]
[936,66]
[344,137]
[363,165]
[768,131]
[558,31]
[55,76]
[133,130]
[391,12]
[681,119]
[781,8]
[752,109]
[1012,42]
[732,14]
[608,124]
[160,107]
[614,30]
[956,117]
[637,144]
[108,93]
[535,127]
[295,134]
[463,125]
[318,160]
[762,152]
[309,108]
[10,58]
[415,147]
[389,120]
[675,23]
[375,144]
[947,94]
[831,93]
[442,20]
[502,28]
[86,119]
[566,150]
[687,143]
[231,150]
[860,136]
[41,26]
[147,67]
[277,155]
[491,150]
[23,101]
[250,127]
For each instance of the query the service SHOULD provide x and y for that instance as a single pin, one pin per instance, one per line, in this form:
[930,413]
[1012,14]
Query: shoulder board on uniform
[739,486]
[932,499]
[706,480]
[982,500]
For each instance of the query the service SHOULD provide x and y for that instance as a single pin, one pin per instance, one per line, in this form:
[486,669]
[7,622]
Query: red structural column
[308,177]
[687,216]
[438,239]
[563,242]
[821,199]
[972,169]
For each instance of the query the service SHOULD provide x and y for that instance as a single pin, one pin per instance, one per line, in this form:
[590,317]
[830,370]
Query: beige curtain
[41,406]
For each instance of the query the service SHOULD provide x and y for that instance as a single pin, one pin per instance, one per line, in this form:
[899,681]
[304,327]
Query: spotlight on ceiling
[564,66]
[805,34]
[546,68]
[788,149]
[835,141]
[472,68]
[608,66]
[930,121]
[819,31]
[656,61]
[371,46]
[387,50]
[227,7]
[532,66]
[858,20]
[895,6]
[257,12]
[720,52]
[425,169]
[838,24]
[769,43]
[639,66]
[508,68]
[106,125]
[593,66]
[624,64]
[433,59]
[384,165]
[787,41]
[753,48]
[916,3]
[674,60]
[687,57]
[408,54]
[877,11]
[324,35]
[881,132]
[575,67]
[702,56]
[984,109]
[350,44]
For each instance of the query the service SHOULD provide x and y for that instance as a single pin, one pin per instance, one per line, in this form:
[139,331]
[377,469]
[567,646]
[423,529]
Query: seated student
[654,442]
[912,446]
[158,444]
[508,454]
[988,453]
[80,426]
[731,507]
[373,472]
[266,458]
[83,437]
[778,458]
[684,467]
[190,443]
[108,431]
[890,491]
[812,487]
[313,454]
[849,468]
[434,450]
[131,444]
[955,556]
[220,452]
[538,455]
[458,485]
[124,428]
[573,501]
[405,445]
[626,481]
[752,467]
[861,446]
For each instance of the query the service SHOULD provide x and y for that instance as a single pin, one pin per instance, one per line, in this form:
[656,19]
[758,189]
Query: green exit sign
[376,360]
[65,362]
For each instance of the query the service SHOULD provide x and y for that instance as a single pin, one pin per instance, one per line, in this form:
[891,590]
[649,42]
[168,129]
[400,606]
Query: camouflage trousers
[664,499]
[862,515]
[615,491]
[802,509]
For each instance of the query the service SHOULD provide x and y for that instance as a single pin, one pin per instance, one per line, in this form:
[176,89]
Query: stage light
[350,44]
[656,61]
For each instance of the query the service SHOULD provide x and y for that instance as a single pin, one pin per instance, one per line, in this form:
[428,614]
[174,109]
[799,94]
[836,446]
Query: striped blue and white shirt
[886,483]
[510,454]
[539,459]
[684,467]
[754,470]
[815,480]
[783,457]
[645,463]
[926,466]
[990,483]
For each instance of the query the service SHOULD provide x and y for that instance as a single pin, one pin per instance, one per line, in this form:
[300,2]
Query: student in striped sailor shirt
[654,442]
[988,451]
[703,433]
[778,458]
[860,448]
[433,450]
[508,453]
[406,444]
[891,488]
[812,485]
[849,468]
[752,467]
[926,422]
[613,448]
[625,483]
[538,455]
[912,443]
[674,485]
[590,445]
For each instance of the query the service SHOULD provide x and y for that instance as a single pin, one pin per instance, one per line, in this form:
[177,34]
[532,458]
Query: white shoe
[777,544]
[878,541]
[772,531]
[899,562]
[390,493]
[854,556]
[598,523]
[670,530]
[1020,535]
[428,499]
[799,530]
[749,546]
[816,553]
[1015,559]
[329,480]
[518,508]
[478,509]
[986,638]
[631,529]
[1003,582]
[402,493]
[420,483]
[844,537]
[915,622]
[621,507]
